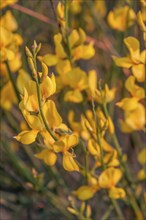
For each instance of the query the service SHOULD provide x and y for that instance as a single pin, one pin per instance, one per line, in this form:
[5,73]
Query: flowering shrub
[65,102]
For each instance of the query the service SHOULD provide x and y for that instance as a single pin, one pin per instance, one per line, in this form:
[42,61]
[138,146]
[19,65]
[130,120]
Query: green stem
[98,135]
[41,112]
[107,213]
[118,210]
[126,172]
[39,100]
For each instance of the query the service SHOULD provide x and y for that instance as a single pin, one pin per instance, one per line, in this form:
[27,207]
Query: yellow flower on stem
[109,177]
[4,3]
[121,18]
[48,156]
[116,193]
[85,192]
[63,145]
[106,95]
[7,100]
[135,90]
[135,60]
[133,119]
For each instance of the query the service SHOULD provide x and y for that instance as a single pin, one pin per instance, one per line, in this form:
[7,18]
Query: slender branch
[34,14]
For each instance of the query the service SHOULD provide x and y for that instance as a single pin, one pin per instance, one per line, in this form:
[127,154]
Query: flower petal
[27,137]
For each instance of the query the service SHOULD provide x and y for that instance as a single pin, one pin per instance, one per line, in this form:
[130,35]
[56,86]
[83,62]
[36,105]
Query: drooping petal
[133,47]
[128,104]
[85,192]
[27,137]
[69,163]
[109,177]
[22,79]
[49,59]
[139,72]
[51,114]
[73,96]
[124,62]
[49,157]
[117,193]
[48,87]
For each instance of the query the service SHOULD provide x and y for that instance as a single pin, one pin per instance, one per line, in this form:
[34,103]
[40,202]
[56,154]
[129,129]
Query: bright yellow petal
[63,67]
[22,79]
[133,47]
[85,192]
[51,114]
[128,104]
[59,50]
[27,137]
[109,177]
[73,96]
[124,62]
[117,193]
[49,157]
[136,119]
[48,87]
[142,156]
[93,148]
[92,80]
[50,59]
[139,72]
[69,163]
[134,89]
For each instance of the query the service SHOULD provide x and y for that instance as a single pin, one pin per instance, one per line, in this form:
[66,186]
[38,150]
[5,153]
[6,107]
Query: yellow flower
[22,79]
[77,47]
[121,18]
[4,3]
[8,97]
[51,114]
[92,81]
[63,145]
[142,156]
[128,104]
[134,60]
[85,192]
[106,95]
[117,193]
[8,21]
[100,7]
[141,175]
[60,15]
[135,90]
[134,119]
[48,156]
[27,136]
[109,177]
[30,99]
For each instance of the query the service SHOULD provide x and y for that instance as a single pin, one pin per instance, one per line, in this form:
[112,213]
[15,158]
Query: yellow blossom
[106,95]
[121,18]
[135,90]
[109,177]
[85,192]
[8,21]
[63,145]
[135,60]
[27,136]
[48,156]
[134,119]
[142,156]
[117,193]
[4,3]
[8,97]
